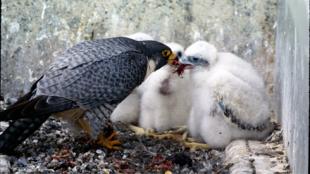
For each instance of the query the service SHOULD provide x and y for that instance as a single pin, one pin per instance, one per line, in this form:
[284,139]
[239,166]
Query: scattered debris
[54,149]
[4,164]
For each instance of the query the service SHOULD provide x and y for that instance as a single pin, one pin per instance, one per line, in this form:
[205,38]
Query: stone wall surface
[292,80]
[33,32]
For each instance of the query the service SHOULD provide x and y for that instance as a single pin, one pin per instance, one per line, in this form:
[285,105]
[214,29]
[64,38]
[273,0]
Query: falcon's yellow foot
[109,142]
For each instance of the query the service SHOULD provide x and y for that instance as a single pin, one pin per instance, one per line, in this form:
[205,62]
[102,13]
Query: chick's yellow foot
[180,135]
[194,145]
[171,136]
[179,129]
[109,142]
[174,135]
[140,131]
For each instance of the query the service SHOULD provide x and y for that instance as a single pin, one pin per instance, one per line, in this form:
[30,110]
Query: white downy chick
[228,97]
[165,100]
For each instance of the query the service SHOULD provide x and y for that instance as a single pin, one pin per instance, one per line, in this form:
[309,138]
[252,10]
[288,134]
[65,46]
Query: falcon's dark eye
[166,53]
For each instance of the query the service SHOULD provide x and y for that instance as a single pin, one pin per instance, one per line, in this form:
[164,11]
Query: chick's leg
[140,131]
[195,145]
[175,134]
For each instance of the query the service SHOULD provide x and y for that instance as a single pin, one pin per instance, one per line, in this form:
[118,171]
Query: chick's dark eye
[195,59]
[166,53]
[179,54]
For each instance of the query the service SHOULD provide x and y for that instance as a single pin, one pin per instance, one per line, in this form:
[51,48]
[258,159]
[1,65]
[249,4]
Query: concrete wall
[292,80]
[34,31]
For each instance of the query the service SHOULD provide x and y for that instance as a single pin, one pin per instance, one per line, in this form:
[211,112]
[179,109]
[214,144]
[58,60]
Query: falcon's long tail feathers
[41,105]
[4,115]
[27,96]
[27,116]
[18,131]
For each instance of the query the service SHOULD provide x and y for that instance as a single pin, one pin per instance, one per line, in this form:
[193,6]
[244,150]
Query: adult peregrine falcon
[84,84]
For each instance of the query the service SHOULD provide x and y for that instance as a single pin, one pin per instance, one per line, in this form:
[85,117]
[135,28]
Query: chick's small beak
[172,59]
[184,60]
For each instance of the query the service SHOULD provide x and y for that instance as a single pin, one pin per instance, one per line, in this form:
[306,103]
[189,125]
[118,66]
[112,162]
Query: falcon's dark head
[159,53]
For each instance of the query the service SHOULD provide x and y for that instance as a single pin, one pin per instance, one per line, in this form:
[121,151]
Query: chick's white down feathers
[233,82]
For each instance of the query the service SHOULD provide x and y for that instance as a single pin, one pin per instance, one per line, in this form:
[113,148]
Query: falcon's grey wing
[99,77]
[102,93]
[92,51]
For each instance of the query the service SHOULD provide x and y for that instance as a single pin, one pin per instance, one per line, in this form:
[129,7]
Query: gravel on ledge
[54,149]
